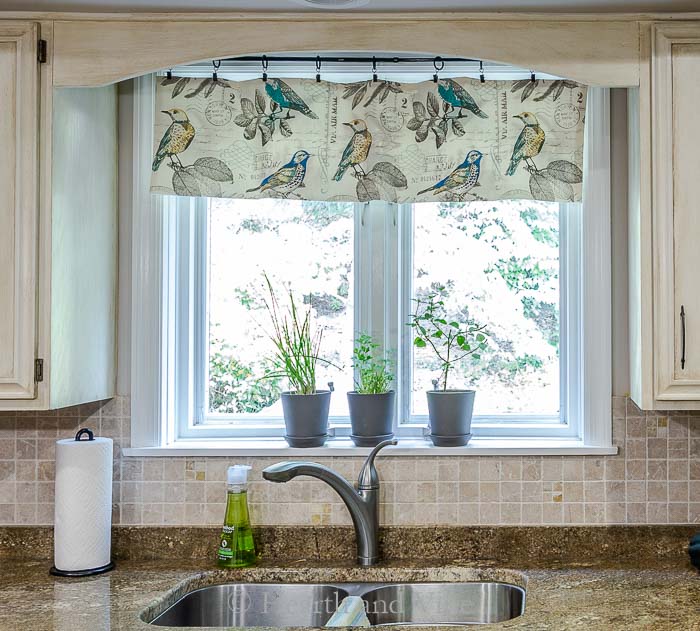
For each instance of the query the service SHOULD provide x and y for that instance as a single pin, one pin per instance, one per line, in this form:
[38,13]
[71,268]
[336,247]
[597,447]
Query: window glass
[499,265]
[304,247]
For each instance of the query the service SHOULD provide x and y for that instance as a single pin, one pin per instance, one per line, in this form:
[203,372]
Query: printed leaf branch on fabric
[359,90]
[254,117]
[431,118]
[380,182]
[527,87]
[207,86]
[203,177]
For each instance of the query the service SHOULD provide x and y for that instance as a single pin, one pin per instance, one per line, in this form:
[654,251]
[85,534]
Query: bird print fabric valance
[454,140]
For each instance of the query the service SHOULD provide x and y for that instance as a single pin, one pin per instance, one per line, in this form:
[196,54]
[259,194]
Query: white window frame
[162,407]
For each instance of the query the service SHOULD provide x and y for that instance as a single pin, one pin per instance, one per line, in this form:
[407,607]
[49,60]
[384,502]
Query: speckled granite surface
[573,598]
[654,589]
[510,544]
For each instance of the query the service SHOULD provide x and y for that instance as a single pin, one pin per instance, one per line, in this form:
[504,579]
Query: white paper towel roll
[83,504]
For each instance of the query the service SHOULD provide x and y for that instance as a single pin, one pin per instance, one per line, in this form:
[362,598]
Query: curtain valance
[458,139]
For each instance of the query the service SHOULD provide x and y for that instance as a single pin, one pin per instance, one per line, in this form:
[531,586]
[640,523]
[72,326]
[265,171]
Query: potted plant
[297,348]
[372,402]
[452,341]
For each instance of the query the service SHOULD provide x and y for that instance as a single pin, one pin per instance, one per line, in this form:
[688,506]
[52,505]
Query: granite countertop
[611,577]
[592,596]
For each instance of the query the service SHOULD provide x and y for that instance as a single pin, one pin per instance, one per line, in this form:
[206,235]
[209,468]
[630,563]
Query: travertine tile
[655,479]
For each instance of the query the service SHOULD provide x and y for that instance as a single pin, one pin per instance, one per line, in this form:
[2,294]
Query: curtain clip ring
[264,63]
[438,64]
[215,75]
[532,76]
[482,78]
[318,69]
[169,74]
[374,69]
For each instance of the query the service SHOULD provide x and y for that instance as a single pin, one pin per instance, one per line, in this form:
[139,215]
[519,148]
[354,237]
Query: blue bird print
[451,92]
[287,178]
[287,98]
[464,178]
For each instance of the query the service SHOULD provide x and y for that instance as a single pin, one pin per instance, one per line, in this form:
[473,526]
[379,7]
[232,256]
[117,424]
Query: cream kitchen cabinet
[666,265]
[19,104]
[58,161]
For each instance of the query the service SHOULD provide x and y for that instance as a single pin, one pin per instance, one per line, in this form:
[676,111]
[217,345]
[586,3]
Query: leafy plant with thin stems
[297,345]
[374,374]
[450,340]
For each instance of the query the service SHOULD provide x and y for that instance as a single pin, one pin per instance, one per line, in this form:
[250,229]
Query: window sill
[344,447]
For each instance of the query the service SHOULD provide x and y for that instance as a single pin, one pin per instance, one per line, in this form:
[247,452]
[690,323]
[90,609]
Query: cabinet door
[676,184]
[18,208]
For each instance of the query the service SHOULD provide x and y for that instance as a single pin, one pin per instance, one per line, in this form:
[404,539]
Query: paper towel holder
[77,573]
[84,431]
[54,571]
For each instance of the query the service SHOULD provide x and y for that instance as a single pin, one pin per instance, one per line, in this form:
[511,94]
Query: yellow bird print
[529,142]
[176,138]
[357,149]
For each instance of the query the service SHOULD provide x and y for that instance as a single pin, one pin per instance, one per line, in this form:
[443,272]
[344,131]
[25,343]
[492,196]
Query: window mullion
[200,299]
[404,237]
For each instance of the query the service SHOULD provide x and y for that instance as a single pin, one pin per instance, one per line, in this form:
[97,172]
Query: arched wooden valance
[91,52]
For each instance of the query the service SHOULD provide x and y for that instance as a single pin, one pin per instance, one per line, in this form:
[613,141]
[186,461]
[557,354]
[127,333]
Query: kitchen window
[535,273]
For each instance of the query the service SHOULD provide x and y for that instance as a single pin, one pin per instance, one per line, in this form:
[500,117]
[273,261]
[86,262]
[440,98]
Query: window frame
[160,408]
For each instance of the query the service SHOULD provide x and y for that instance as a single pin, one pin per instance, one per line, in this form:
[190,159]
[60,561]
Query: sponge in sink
[350,613]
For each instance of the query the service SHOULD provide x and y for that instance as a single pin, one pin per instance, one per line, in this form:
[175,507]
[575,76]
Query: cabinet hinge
[38,370]
[41,51]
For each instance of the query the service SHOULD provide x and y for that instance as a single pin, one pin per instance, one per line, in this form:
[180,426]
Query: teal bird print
[464,178]
[529,143]
[287,178]
[287,98]
[176,138]
[451,92]
[357,150]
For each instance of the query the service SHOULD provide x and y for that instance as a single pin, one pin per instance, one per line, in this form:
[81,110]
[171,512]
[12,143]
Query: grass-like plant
[374,374]
[450,340]
[297,345]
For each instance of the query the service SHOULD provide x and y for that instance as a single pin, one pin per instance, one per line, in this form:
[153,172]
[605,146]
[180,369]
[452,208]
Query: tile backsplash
[655,479]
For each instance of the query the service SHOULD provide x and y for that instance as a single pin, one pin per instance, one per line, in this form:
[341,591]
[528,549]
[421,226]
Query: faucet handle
[368,474]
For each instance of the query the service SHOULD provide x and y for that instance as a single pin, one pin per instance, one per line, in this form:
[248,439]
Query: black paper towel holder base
[54,571]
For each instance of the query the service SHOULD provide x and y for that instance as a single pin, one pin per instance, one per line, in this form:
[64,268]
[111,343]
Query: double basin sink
[311,605]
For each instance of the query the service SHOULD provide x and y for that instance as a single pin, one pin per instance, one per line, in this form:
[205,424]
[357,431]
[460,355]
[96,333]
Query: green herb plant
[297,345]
[374,374]
[450,340]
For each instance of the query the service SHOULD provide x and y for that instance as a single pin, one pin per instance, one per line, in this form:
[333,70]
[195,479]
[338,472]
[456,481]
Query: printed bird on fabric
[357,149]
[176,138]
[529,143]
[454,94]
[464,178]
[287,98]
[287,178]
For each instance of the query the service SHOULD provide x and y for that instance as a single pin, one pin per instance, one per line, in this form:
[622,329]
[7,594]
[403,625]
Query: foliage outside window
[495,263]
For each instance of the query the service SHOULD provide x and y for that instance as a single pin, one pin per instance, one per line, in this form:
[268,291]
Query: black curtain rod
[349,60]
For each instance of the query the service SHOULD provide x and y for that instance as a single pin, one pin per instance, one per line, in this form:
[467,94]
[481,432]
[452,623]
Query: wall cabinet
[19,104]
[667,265]
[58,233]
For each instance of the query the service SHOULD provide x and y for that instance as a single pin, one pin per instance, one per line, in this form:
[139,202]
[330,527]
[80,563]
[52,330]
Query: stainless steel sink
[443,603]
[254,605]
[309,605]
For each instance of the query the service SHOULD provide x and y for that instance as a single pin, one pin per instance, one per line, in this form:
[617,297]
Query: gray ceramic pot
[306,418]
[372,417]
[450,413]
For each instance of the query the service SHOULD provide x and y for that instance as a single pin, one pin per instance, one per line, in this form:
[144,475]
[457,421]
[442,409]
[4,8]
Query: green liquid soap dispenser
[236,545]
